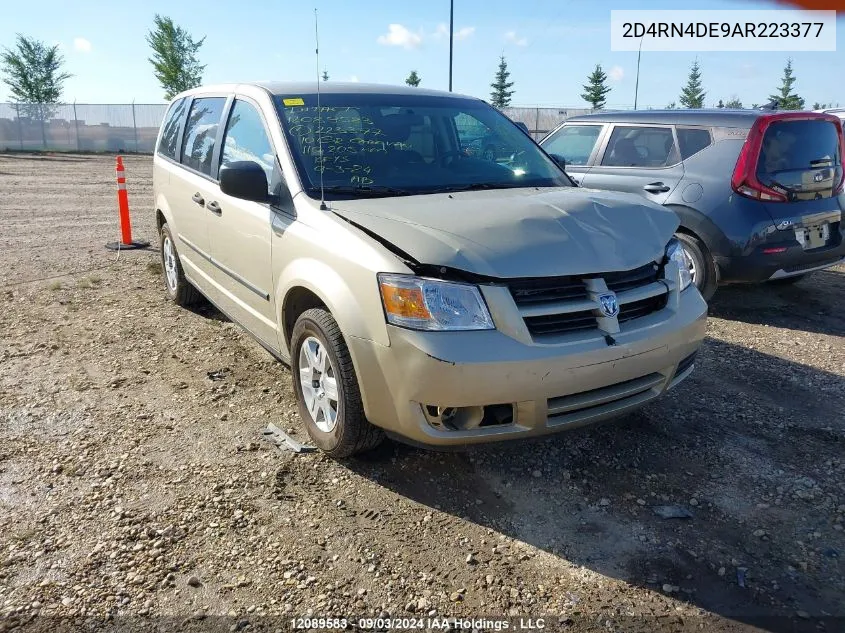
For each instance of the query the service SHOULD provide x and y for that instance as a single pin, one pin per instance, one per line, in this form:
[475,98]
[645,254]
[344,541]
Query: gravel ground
[136,490]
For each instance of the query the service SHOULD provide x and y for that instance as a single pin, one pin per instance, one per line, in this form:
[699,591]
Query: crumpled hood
[520,232]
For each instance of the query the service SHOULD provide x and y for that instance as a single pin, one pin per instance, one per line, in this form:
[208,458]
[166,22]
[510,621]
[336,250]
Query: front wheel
[702,268]
[326,387]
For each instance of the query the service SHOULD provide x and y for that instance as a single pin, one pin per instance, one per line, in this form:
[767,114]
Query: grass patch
[55,285]
[84,283]
[154,267]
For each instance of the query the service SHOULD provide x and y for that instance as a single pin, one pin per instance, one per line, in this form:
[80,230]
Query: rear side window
[168,143]
[692,140]
[574,142]
[640,147]
[201,133]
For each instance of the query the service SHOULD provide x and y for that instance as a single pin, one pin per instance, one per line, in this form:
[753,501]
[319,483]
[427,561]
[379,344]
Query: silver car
[414,287]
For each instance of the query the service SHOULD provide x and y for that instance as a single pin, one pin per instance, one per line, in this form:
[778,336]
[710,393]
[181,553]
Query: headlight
[430,304]
[676,253]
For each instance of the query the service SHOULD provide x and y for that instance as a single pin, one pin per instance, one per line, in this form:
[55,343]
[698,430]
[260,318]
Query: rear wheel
[701,265]
[326,387]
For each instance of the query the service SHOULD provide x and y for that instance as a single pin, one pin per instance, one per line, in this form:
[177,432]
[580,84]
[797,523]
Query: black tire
[181,292]
[708,278]
[788,281]
[352,432]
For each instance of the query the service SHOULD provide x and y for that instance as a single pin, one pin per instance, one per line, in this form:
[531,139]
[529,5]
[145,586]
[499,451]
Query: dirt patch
[135,487]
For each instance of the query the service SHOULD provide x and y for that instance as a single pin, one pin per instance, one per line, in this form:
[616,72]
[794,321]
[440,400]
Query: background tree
[734,103]
[784,98]
[174,57]
[501,95]
[325,75]
[720,104]
[596,88]
[413,79]
[33,72]
[692,95]
[672,106]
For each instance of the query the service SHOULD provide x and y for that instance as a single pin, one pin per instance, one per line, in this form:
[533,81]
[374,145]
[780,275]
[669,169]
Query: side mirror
[560,160]
[523,127]
[244,179]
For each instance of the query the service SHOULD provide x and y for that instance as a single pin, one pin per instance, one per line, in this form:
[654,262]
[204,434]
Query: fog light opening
[497,415]
[453,418]
[468,418]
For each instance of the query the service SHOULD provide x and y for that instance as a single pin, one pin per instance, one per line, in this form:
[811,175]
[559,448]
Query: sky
[550,46]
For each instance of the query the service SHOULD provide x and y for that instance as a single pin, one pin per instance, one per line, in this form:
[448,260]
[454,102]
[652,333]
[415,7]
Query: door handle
[214,207]
[197,197]
[656,187]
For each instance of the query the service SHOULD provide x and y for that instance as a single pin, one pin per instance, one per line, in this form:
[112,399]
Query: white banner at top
[723,30]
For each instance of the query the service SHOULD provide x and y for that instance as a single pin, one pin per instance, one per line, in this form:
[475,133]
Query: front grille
[547,290]
[552,306]
[642,276]
[580,407]
[561,323]
[641,308]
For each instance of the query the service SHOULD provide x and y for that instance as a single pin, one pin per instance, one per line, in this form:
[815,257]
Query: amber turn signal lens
[404,302]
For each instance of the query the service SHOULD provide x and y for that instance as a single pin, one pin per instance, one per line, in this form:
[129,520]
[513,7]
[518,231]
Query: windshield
[390,145]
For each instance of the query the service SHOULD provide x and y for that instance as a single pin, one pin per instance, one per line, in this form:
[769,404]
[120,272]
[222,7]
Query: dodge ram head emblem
[609,305]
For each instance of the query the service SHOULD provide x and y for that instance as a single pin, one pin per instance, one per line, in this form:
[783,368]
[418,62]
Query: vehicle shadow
[811,305]
[209,311]
[750,442]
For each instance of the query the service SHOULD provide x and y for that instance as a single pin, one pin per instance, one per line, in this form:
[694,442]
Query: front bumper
[550,387]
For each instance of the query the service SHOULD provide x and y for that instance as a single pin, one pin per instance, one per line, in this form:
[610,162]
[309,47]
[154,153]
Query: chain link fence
[85,127]
[133,127]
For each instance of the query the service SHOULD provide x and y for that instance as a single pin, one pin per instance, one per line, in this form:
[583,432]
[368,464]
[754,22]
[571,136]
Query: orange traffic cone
[126,241]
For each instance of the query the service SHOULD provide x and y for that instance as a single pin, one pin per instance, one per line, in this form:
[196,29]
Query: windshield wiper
[477,186]
[364,191]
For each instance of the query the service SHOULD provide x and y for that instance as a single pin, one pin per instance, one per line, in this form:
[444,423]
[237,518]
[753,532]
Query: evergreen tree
[784,98]
[692,95]
[413,79]
[596,88]
[174,57]
[325,75]
[734,103]
[671,106]
[720,104]
[501,95]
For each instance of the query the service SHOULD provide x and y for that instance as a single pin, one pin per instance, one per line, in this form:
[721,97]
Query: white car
[840,112]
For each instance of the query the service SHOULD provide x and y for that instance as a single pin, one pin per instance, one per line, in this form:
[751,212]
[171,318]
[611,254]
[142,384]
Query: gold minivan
[416,286]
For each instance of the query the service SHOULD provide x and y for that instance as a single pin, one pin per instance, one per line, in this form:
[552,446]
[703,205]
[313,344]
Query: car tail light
[744,179]
[841,187]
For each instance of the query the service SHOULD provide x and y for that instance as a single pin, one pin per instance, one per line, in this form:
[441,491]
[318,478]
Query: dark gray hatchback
[759,194]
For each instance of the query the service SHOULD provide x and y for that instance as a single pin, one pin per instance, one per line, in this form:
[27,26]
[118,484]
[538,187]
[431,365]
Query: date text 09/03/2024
[411,623]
